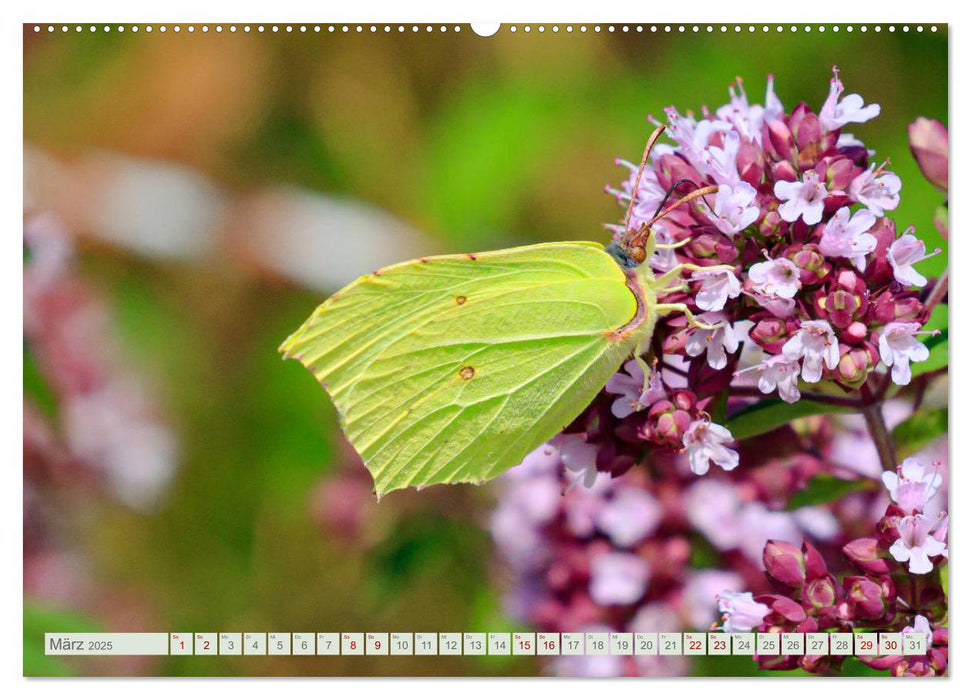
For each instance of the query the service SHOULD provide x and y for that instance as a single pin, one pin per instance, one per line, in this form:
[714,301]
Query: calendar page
[382,349]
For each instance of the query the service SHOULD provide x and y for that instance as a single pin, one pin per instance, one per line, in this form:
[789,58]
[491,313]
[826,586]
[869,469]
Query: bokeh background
[190,198]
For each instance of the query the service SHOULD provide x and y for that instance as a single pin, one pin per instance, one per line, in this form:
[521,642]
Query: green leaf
[918,430]
[770,414]
[825,488]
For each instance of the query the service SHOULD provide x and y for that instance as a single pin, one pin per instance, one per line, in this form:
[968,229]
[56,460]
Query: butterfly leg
[643,345]
[672,274]
[665,309]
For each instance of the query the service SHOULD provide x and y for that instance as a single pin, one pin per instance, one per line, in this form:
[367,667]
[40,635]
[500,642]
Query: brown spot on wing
[467,372]
[471,256]
[460,300]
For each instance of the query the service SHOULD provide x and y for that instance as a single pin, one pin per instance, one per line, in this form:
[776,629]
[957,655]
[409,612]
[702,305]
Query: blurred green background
[476,143]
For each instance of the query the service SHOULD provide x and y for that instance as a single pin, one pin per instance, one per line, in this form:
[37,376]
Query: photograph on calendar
[511,350]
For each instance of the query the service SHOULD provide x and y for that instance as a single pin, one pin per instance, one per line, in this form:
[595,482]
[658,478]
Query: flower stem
[877,427]
[938,292]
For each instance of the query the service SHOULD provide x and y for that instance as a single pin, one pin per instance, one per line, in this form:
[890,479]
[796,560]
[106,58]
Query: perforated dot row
[514,28]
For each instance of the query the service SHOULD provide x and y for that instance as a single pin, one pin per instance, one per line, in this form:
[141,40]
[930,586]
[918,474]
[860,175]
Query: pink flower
[715,342]
[846,237]
[928,143]
[634,394]
[740,612]
[913,484]
[916,545]
[735,208]
[705,442]
[779,372]
[629,517]
[618,578]
[835,113]
[816,344]
[899,347]
[904,253]
[779,278]
[878,193]
[717,286]
[801,199]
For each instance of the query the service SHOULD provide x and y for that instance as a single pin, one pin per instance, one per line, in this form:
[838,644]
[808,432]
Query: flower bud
[854,333]
[928,143]
[870,599]
[865,553]
[856,364]
[784,563]
[820,592]
[840,172]
[805,128]
[812,264]
[770,333]
[887,532]
[778,140]
[783,612]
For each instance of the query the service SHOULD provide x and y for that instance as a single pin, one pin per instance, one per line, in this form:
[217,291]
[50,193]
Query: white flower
[847,237]
[735,208]
[663,259]
[715,341]
[618,578]
[779,307]
[878,193]
[814,342]
[916,545]
[834,114]
[694,136]
[904,253]
[705,442]
[578,456]
[629,517]
[779,372]
[921,624]
[722,162]
[740,612]
[913,484]
[634,393]
[801,199]
[716,288]
[779,278]
[899,347]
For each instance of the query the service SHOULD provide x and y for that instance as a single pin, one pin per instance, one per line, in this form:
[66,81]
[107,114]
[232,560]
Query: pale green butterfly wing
[453,368]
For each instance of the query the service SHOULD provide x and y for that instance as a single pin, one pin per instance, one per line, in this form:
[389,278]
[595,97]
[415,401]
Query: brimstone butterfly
[453,368]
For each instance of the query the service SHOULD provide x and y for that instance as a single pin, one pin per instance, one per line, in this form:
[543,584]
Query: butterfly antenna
[655,135]
[690,197]
[670,191]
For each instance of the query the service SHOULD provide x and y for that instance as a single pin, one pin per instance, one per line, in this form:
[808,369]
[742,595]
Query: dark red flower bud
[868,597]
[812,264]
[865,553]
[770,333]
[840,172]
[854,333]
[784,563]
[820,592]
[813,561]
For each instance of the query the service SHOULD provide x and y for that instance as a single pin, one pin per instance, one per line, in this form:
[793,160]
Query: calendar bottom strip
[485,644]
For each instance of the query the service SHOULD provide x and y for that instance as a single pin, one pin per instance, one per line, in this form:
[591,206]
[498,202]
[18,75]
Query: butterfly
[453,368]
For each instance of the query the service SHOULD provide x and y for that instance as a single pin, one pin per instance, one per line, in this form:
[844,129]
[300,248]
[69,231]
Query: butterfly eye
[638,254]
